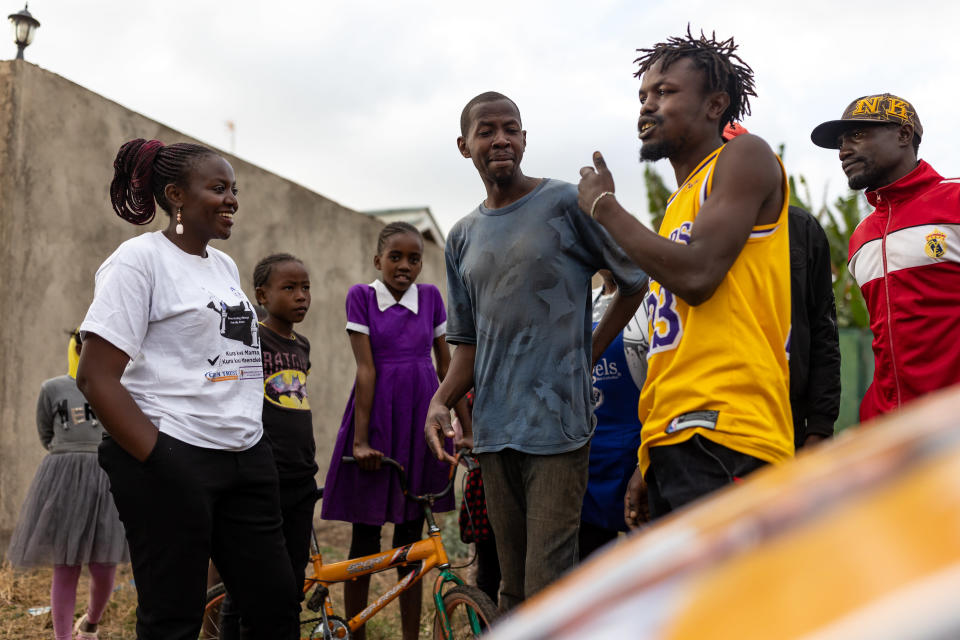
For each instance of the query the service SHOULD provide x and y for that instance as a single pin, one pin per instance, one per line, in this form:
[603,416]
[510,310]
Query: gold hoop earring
[179,222]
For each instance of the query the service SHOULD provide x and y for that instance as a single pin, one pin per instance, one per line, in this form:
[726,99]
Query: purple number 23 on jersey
[665,326]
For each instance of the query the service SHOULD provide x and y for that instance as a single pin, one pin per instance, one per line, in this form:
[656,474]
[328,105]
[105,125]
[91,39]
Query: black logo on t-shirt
[75,415]
[236,322]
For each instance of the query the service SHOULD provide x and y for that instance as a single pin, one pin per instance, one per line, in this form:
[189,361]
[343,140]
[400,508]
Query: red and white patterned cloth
[474,523]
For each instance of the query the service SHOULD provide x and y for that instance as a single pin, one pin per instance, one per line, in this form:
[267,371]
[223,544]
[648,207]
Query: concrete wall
[57,145]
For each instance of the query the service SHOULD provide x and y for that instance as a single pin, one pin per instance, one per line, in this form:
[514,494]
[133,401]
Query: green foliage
[837,221]
[657,196]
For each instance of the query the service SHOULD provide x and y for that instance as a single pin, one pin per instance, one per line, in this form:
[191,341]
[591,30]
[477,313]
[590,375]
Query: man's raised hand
[593,181]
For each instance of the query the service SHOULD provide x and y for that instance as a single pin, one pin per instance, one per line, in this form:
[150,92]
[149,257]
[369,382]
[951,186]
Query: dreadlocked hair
[261,272]
[722,68]
[141,172]
[395,228]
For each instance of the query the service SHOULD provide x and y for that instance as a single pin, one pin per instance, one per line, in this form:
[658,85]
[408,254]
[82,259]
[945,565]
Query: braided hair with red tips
[141,172]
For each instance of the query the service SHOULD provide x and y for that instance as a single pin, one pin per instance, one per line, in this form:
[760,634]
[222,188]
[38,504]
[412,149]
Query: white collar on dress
[385,299]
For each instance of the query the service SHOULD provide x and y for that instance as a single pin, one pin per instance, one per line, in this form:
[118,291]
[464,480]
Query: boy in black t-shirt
[282,288]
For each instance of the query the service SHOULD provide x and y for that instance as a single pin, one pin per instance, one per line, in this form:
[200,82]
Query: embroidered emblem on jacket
[936,244]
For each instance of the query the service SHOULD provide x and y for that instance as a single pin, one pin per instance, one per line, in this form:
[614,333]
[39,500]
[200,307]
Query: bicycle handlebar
[390,462]
[428,498]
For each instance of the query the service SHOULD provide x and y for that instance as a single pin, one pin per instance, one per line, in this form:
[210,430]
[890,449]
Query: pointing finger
[599,162]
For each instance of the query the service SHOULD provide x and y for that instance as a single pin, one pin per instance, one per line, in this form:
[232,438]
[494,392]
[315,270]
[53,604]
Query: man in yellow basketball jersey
[716,404]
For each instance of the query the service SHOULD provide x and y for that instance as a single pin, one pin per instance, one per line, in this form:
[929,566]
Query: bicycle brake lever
[468,459]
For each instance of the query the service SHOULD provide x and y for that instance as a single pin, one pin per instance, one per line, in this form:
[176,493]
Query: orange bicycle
[462,611]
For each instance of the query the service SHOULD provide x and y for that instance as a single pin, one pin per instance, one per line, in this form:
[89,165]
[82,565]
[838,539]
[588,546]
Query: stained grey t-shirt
[519,289]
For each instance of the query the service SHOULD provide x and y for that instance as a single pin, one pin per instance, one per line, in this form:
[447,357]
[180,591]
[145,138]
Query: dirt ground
[21,591]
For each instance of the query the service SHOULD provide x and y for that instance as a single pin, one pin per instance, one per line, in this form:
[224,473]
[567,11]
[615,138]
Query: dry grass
[22,590]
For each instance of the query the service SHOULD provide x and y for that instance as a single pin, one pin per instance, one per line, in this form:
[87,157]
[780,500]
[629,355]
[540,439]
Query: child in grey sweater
[69,518]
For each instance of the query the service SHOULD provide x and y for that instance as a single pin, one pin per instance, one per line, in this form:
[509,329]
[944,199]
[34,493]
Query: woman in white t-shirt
[171,366]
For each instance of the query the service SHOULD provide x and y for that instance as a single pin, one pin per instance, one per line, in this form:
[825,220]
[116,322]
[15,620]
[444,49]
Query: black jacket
[814,343]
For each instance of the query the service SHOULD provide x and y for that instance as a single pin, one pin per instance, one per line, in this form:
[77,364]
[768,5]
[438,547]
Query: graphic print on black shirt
[287,420]
[236,321]
[288,389]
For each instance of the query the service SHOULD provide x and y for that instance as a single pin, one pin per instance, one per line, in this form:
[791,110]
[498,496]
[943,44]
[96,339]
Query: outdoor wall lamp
[24,26]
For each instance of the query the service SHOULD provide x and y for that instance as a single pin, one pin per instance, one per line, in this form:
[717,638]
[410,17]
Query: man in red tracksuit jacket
[906,254]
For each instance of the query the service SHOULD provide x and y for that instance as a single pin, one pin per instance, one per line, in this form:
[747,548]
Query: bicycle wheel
[211,612]
[459,603]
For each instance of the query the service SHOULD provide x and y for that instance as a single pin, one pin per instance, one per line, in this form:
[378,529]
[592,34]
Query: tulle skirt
[68,517]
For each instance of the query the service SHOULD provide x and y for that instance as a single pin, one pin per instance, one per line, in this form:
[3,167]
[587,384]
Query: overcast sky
[360,101]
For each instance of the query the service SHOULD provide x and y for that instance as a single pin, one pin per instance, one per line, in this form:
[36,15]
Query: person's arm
[458,378]
[442,353]
[98,378]
[456,383]
[618,314]
[823,388]
[636,510]
[746,177]
[44,418]
[366,456]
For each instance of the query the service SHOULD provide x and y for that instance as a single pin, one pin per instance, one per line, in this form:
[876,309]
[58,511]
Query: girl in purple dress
[392,323]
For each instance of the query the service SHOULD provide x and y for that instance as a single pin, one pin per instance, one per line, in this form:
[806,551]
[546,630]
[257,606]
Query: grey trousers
[534,504]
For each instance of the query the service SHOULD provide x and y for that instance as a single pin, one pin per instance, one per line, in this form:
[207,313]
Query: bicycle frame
[430,551]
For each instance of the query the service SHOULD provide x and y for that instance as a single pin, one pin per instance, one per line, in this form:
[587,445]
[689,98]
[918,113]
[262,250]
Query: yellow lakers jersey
[719,369]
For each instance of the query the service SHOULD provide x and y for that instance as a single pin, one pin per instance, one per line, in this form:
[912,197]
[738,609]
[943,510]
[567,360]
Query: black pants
[591,537]
[488,568]
[297,501]
[298,498]
[186,504]
[681,473]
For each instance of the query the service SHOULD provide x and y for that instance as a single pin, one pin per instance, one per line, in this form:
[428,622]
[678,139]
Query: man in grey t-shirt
[519,309]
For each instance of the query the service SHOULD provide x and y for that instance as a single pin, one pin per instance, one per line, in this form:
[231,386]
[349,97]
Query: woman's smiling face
[209,199]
